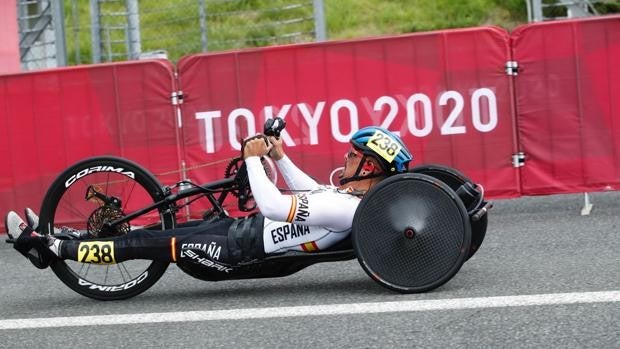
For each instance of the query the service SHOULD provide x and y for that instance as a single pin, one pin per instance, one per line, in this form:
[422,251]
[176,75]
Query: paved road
[534,246]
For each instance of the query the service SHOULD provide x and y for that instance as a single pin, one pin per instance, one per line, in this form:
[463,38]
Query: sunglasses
[352,153]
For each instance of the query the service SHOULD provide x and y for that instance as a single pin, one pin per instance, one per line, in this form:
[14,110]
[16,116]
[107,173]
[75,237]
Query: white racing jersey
[315,218]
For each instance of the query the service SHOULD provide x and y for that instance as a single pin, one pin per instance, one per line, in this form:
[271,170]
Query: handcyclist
[315,218]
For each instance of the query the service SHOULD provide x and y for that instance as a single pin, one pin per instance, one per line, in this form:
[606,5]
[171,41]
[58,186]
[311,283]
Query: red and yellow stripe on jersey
[173,246]
[292,210]
[309,246]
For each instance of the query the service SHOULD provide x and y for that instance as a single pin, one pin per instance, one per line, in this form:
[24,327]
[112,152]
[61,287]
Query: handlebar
[273,127]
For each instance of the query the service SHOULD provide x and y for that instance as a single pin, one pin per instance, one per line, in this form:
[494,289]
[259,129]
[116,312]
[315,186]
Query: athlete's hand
[277,151]
[256,146]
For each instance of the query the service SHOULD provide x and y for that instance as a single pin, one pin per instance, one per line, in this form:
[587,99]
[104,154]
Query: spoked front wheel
[86,197]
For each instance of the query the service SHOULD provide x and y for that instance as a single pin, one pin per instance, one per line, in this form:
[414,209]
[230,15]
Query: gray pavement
[534,245]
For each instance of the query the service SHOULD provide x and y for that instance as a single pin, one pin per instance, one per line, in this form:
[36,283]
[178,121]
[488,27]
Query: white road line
[317,310]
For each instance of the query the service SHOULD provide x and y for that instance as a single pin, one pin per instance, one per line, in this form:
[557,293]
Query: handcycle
[411,233]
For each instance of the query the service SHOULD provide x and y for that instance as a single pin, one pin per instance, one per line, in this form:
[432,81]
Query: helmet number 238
[384,145]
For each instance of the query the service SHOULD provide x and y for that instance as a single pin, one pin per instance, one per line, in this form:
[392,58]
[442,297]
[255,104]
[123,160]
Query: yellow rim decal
[384,145]
[98,252]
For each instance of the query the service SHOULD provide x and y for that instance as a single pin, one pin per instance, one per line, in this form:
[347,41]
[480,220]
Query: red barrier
[51,119]
[567,99]
[446,92]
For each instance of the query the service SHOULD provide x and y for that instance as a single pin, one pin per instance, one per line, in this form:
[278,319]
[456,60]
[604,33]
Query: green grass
[361,18]
[174,25]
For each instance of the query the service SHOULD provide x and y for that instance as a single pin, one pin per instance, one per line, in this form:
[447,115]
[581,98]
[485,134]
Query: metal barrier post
[202,14]
[133,34]
[320,33]
[95,27]
[587,206]
[59,32]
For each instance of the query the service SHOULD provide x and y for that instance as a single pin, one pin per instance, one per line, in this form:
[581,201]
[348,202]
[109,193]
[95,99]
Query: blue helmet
[384,146]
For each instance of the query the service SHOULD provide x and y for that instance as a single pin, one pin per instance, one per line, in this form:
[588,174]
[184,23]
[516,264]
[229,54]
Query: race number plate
[98,252]
[384,145]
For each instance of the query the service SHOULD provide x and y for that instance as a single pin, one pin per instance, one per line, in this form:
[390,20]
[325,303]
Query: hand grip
[273,127]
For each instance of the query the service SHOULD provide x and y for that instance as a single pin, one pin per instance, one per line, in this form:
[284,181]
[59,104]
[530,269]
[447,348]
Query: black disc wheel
[411,233]
[454,179]
[86,197]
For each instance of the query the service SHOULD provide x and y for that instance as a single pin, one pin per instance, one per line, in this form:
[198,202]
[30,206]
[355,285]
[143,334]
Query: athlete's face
[352,160]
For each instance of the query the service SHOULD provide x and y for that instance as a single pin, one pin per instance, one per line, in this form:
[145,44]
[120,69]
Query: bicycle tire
[146,188]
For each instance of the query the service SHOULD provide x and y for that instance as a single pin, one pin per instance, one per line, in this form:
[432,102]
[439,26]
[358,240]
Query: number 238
[96,252]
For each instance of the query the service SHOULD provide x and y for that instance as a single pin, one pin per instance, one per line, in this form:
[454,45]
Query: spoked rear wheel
[90,194]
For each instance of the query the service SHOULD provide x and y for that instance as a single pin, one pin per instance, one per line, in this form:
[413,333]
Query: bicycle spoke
[87,269]
[82,266]
[77,208]
[122,266]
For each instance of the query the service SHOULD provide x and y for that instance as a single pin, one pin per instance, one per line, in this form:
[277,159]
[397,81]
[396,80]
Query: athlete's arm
[295,178]
[328,209]
[271,203]
[334,211]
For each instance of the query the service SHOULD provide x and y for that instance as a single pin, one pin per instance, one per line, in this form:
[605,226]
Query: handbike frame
[271,266]
[222,186]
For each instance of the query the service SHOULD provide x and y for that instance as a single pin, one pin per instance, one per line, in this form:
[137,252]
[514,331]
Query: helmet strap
[361,167]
